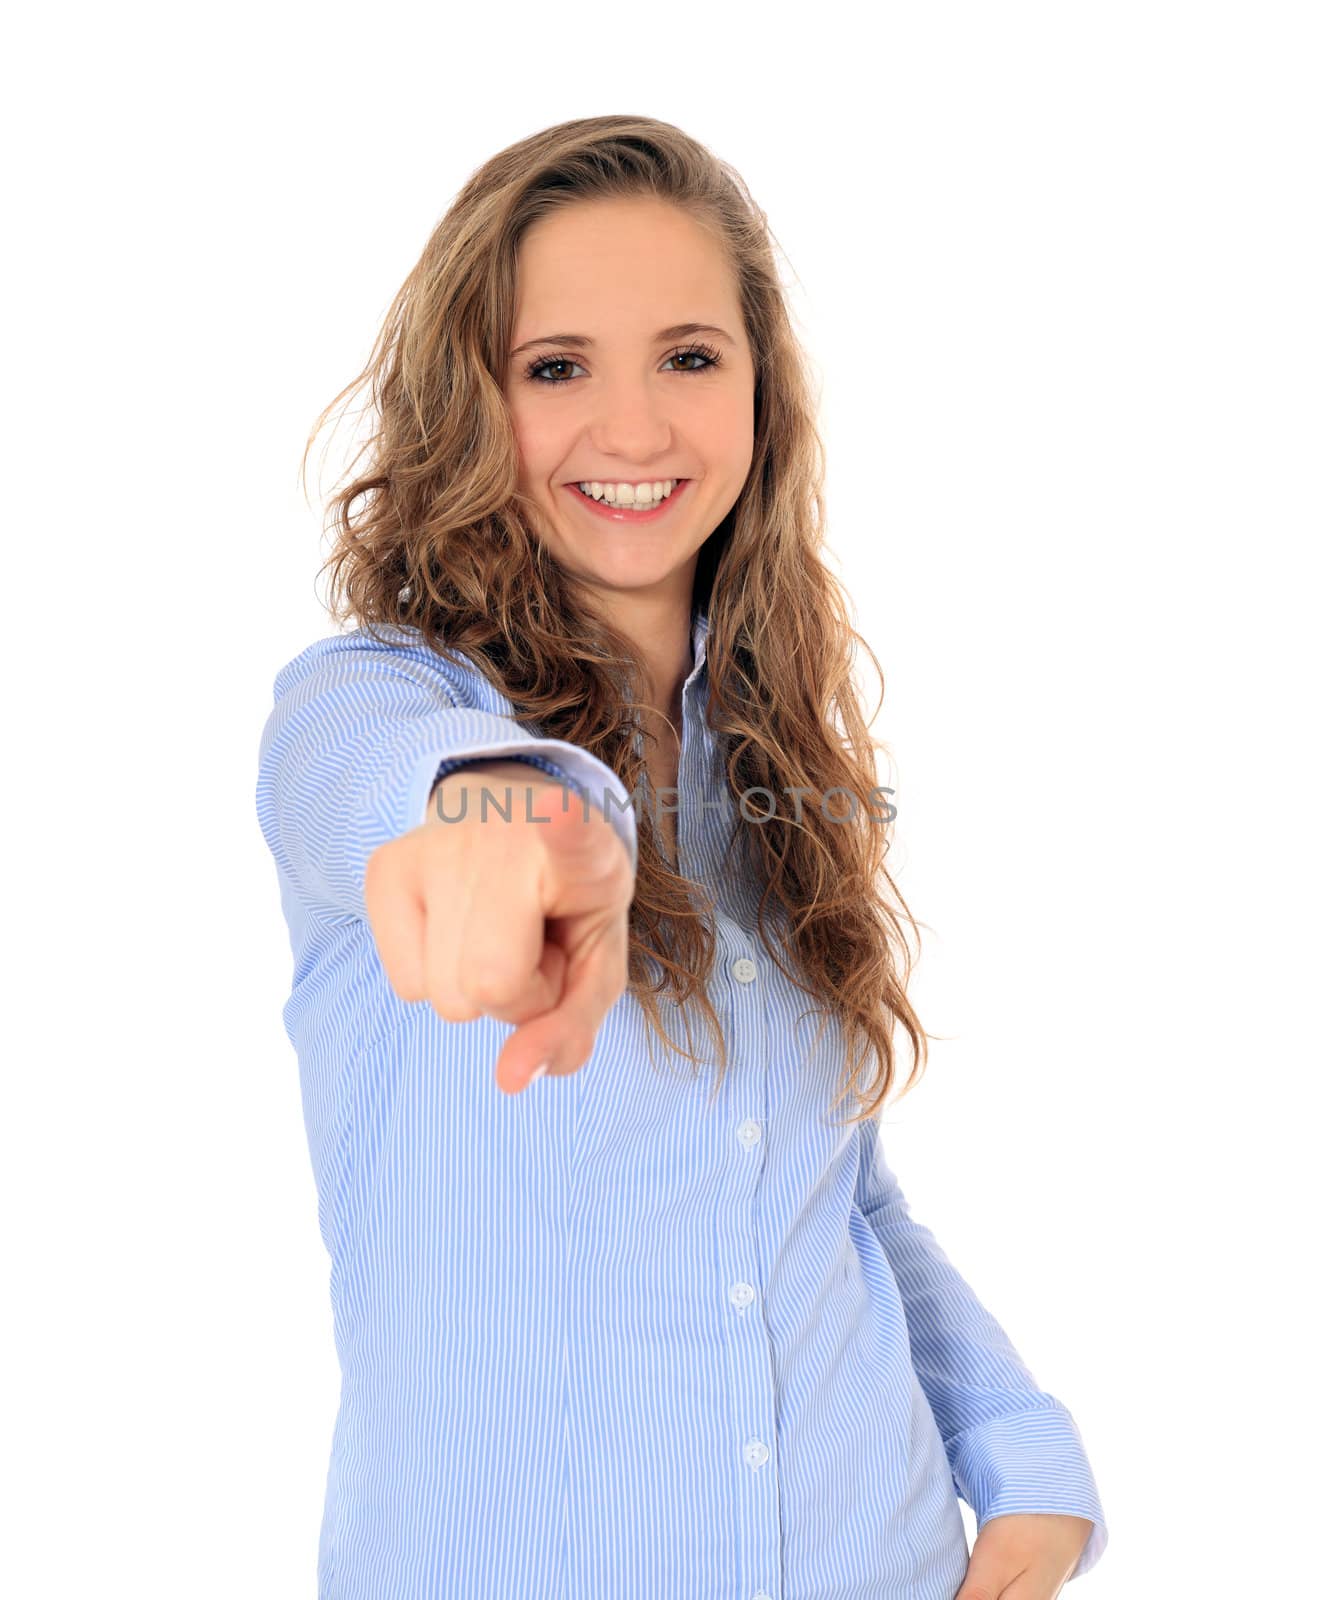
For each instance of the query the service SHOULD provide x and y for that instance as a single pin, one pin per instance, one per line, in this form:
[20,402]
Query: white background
[1060,269]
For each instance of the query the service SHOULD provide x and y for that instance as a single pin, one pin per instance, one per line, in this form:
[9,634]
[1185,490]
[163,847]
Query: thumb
[595,975]
[585,864]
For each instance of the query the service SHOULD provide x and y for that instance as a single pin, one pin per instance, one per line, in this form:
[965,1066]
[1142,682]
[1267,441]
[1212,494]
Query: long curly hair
[431,533]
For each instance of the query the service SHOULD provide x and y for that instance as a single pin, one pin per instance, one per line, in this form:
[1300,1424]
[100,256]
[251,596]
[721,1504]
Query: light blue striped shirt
[604,1339]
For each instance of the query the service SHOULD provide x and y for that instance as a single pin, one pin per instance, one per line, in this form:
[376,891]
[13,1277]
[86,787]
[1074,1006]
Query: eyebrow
[679,330]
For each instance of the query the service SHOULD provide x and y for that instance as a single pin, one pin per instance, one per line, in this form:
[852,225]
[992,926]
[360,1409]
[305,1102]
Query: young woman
[587,796]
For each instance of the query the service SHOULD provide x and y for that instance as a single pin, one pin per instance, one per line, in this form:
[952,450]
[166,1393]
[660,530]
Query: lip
[600,508]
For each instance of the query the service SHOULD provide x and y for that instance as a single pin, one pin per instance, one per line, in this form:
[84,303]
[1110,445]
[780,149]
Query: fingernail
[538,1072]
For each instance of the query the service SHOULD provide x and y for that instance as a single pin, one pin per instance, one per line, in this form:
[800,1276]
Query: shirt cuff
[1033,1461]
[487,737]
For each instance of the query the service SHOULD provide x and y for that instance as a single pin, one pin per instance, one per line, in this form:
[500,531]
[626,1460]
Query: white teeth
[626,494]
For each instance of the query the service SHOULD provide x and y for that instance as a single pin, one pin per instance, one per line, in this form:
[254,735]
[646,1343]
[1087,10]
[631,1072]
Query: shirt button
[756,1453]
[762,1595]
[741,1294]
[749,1133]
[744,970]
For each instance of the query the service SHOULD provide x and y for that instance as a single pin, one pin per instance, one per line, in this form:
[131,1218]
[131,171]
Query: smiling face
[636,398]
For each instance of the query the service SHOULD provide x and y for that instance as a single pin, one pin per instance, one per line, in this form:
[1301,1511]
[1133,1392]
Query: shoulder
[389,655]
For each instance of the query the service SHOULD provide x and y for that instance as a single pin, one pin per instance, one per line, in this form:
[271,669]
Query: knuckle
[449,1006]
[488,989]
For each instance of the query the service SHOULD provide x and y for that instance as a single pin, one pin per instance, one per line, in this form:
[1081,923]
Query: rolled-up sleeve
[1012,1447]
[359,733]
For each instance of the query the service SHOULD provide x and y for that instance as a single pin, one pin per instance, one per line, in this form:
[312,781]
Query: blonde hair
[433,534]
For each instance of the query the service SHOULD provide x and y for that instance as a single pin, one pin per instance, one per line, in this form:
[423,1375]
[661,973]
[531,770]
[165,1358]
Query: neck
[662,635]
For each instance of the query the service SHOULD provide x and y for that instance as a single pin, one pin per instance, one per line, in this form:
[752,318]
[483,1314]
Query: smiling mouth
[647,501]
[623,511]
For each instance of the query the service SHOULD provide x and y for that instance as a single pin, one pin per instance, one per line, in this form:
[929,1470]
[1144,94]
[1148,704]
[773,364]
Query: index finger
[596,976]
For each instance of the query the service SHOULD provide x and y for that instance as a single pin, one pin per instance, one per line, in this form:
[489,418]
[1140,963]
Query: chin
[628,576]
[622,565]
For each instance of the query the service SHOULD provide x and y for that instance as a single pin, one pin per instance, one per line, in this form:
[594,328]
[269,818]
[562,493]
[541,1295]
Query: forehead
[620,268]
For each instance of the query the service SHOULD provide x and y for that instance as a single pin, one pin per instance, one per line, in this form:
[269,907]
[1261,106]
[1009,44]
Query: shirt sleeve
[357,736]
[1012,1447]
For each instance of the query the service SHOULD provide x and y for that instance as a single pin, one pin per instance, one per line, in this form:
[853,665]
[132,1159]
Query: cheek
[727,431]
[538,443]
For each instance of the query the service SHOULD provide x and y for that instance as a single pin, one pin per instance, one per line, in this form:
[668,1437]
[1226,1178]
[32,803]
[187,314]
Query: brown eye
[537,369]
[708,356]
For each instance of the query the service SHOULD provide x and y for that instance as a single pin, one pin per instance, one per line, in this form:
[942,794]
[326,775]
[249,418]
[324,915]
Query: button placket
[752,1394]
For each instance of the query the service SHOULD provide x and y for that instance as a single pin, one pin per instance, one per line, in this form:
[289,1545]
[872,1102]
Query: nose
[631,423]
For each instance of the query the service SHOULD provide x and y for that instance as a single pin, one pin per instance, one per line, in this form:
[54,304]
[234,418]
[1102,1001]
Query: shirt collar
[699,629]
[698,646]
